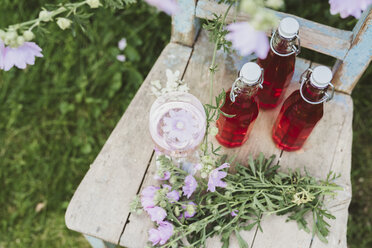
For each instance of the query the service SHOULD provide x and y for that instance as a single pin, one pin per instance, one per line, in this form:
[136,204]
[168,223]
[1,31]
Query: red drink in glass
[302,110]
[242,103]
[279,64]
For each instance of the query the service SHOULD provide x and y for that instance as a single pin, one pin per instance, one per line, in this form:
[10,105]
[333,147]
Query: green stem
[212,70]
[36,22]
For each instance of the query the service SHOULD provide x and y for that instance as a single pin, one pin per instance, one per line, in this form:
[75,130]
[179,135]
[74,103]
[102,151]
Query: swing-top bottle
[241,103]
[280,63]
[302,110]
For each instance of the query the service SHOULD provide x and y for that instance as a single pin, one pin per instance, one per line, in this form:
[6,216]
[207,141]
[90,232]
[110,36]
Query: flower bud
[11,38]
[207,160]
[216,228]
[93,3]
[274,3]
[163,204]
[28,35]
[213,131]
[248,6]
[45,16]
[177,211]
[204,175]
[63,23]
[264,20]
[20,40]
[190,209]
[2,34]
[173,180]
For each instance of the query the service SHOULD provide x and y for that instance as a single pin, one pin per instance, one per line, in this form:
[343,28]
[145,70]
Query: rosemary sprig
[254,190]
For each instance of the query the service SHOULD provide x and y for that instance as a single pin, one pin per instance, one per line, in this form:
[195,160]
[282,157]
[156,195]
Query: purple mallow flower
[234,213]
[18,56]
[190,210]
[162,234]
[190,186]
[147,197]
[349,7]
[172,195]
[168,6]
[157,214]
[215,178]
[166,176]
[246,40]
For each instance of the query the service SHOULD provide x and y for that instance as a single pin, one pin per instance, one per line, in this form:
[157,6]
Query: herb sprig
[254,190]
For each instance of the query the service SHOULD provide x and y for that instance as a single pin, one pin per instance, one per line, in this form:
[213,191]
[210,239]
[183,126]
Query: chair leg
[98,243]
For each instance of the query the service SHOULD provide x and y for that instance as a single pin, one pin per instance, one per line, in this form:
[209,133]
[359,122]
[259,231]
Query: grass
[55,117]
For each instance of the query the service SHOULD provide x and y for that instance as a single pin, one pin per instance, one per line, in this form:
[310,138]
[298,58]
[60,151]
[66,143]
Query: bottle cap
[288,27]
[321,76]
[251,72]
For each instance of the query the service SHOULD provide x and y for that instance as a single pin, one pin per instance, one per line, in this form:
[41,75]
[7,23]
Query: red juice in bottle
[302,110]
[242,103]
[280,63]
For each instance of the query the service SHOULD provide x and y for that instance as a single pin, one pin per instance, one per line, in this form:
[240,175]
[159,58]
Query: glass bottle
[302,110]
[242,103]
[280,63]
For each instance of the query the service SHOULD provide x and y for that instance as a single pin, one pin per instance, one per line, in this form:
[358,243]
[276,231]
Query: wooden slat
[315,36]
[100,206]
[341,163]
[136,231]
[184,25]
[328,145]
[358,57]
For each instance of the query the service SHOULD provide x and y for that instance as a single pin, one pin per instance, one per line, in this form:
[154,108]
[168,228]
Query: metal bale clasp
[326,98]
[295,49]
[236,89]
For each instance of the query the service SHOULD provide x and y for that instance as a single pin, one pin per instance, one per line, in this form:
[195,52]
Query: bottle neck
[244,91]
[313,93]
[282,45]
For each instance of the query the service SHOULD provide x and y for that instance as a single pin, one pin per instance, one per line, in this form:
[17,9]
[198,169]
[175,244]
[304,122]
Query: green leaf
[270,204]
[252,165]
[242,243]
[132,54]
[257,203]
[249,226]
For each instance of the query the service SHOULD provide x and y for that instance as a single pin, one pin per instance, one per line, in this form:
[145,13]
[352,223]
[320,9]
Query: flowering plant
[18,49]
[189,208]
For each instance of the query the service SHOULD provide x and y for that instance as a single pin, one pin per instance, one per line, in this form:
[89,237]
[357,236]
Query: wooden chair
[100,205]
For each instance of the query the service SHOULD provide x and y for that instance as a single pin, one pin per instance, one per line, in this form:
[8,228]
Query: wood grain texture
[184,24]
[100,205]
[358,57]
[135,234]
[315,36]
[328,148]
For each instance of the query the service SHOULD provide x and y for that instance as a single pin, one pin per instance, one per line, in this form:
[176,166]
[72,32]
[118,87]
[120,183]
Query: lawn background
[56,115]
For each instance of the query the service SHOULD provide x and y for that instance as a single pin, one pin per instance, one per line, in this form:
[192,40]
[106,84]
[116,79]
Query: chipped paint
[340,39]
[183,22]
[332,51]
[356,59]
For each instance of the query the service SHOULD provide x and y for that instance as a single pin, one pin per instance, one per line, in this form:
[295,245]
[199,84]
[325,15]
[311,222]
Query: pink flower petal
[20,56]
[348,7]
[246,40]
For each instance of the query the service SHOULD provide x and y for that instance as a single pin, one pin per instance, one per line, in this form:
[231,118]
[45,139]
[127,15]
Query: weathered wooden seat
[100,205]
